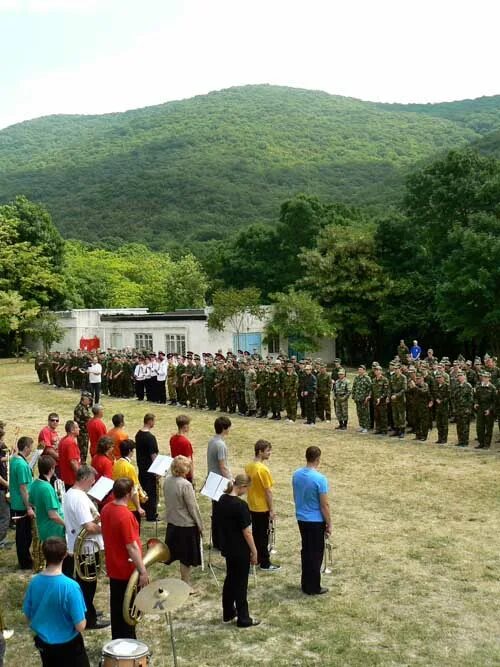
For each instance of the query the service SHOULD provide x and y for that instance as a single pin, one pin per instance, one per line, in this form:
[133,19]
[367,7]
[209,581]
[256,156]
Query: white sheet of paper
[125,648]
[101,488]
[214,486]
[161,464]
[36,455]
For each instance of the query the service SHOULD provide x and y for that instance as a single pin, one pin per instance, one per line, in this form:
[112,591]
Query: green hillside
[200,168]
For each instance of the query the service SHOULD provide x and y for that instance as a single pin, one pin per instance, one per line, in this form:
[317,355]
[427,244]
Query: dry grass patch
[416,579]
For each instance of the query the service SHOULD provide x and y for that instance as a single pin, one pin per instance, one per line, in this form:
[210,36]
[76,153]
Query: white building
[178,331]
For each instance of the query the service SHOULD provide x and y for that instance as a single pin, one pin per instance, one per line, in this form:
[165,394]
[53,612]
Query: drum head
[125,648]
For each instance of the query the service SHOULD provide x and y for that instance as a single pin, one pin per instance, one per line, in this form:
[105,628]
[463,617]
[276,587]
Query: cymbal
[162,596]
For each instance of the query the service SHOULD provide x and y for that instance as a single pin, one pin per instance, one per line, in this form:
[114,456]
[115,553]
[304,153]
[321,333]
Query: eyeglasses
[54,420]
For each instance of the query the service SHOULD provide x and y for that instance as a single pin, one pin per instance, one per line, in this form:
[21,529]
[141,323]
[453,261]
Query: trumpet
[271,536]
[327,565]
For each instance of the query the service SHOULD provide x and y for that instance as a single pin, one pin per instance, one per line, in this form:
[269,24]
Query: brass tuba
[87,565]
[157,552]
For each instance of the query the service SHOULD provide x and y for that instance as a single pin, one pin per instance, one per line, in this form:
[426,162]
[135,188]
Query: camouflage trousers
[83,445]
[380,415]
[172,393]
[250,400]
[442,423]
[342,409]
[463,428]
[324,407]
[398,414]
[291,406]
[363,411]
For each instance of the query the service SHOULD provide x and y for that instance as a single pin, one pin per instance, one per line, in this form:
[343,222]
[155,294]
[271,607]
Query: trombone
[271,536]
[327,566]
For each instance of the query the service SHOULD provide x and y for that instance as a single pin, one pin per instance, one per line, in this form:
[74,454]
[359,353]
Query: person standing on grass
[260,502]
[310,493]
[55,608]
[180,445]
[217,463]
[20,479]
[96,428]
[147,450]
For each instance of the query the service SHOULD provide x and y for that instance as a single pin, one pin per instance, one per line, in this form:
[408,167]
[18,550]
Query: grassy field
[416,576]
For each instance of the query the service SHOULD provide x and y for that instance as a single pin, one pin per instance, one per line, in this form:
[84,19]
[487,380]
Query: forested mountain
[203,167]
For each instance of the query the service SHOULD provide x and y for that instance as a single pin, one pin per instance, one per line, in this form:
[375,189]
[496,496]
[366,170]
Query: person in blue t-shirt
[55,608]
[310,493]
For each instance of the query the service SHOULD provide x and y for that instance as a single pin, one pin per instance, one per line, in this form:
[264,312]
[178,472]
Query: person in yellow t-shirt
[260,502]
[123,467]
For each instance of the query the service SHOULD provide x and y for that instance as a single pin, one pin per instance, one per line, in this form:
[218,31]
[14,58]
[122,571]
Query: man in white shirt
[95,373]
[80,512]
[161,379]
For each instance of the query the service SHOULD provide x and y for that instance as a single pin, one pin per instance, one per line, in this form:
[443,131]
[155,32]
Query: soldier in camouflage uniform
[341,393]
[188,379]
[171,379]
[290,388]
[484,404]
[250,378]
[403,352]
[198,382]
[210,375]
[261,390]
[398,387]
[423,401]
[82,414]
[361,394]
[323,396]
[463,399]
[301,374]
[441,400]
[380,396]
[275,391]
[240,388]
[220,386]
[180,385]
[411,407]
[337,366]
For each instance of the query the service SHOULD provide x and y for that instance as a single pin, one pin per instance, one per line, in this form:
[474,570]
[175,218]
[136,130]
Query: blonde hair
[180,466]
[240,480]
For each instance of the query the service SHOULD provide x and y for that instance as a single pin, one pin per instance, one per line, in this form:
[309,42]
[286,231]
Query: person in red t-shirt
[180,444]
[123,551]
[96,428]
[69,454]
[102,463]
[48,438]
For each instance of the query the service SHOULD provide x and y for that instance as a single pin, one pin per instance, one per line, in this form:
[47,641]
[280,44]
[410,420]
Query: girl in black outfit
[238,548]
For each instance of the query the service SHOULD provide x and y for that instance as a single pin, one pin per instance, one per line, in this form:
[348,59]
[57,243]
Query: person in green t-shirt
[42,496]
[20,478]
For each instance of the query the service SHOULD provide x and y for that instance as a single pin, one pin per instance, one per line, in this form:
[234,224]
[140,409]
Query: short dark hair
[54,550]
[122,487]
[53,415]
[118,419]
[149,417]
[126,446]
[68,426]
[104,443]
[261,446]
[222,424]
[182,420]
[24,442]
[312,454]
[85,471]
[45,464]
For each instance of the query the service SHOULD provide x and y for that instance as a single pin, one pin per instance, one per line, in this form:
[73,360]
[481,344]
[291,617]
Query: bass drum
[125,653]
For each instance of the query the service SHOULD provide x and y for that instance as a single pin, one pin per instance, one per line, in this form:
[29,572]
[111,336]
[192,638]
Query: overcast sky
[97,56]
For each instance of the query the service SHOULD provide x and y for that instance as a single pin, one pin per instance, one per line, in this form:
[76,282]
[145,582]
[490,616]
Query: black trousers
[310,408]
[234,591]
[260,530]
[313,547]
[215,527]
[70,653]
[151,389]
[95,390]
[148,483]
[88,587]
[161,391]
[119,628]
[23,539]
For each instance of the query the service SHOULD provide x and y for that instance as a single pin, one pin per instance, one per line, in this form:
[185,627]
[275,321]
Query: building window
[116,341]
[273,344]
[175,344]
[144,341]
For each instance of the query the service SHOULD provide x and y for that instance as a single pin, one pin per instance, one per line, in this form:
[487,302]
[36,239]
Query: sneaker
[251,624]
[271,568]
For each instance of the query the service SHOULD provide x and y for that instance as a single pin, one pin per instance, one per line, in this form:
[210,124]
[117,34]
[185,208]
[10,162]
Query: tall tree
[235,308]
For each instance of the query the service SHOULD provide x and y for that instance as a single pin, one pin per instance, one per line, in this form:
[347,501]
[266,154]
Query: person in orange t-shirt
[117,433]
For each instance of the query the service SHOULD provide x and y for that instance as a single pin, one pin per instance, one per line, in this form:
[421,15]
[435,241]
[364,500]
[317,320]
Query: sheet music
[101,488]
[161,464]
[36,455]
[214,486]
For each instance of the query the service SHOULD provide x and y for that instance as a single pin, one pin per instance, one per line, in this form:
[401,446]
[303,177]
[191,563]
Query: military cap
[87,394]
[460,372]
[197,357]
[477,361]
[468,362]
[362,366]
[419,375]
[169,355]
[375,364]
[337,360]
[485,374]
[239,352]
[341,371]
[438,375]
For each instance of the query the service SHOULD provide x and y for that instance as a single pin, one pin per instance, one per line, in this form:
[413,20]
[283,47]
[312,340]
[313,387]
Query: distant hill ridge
[202,167]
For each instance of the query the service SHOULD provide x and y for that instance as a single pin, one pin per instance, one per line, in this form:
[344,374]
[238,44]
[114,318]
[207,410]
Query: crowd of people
[52,511]
[411,395]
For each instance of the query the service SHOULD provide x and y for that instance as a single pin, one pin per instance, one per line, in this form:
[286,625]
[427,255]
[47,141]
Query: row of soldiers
[410,395]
